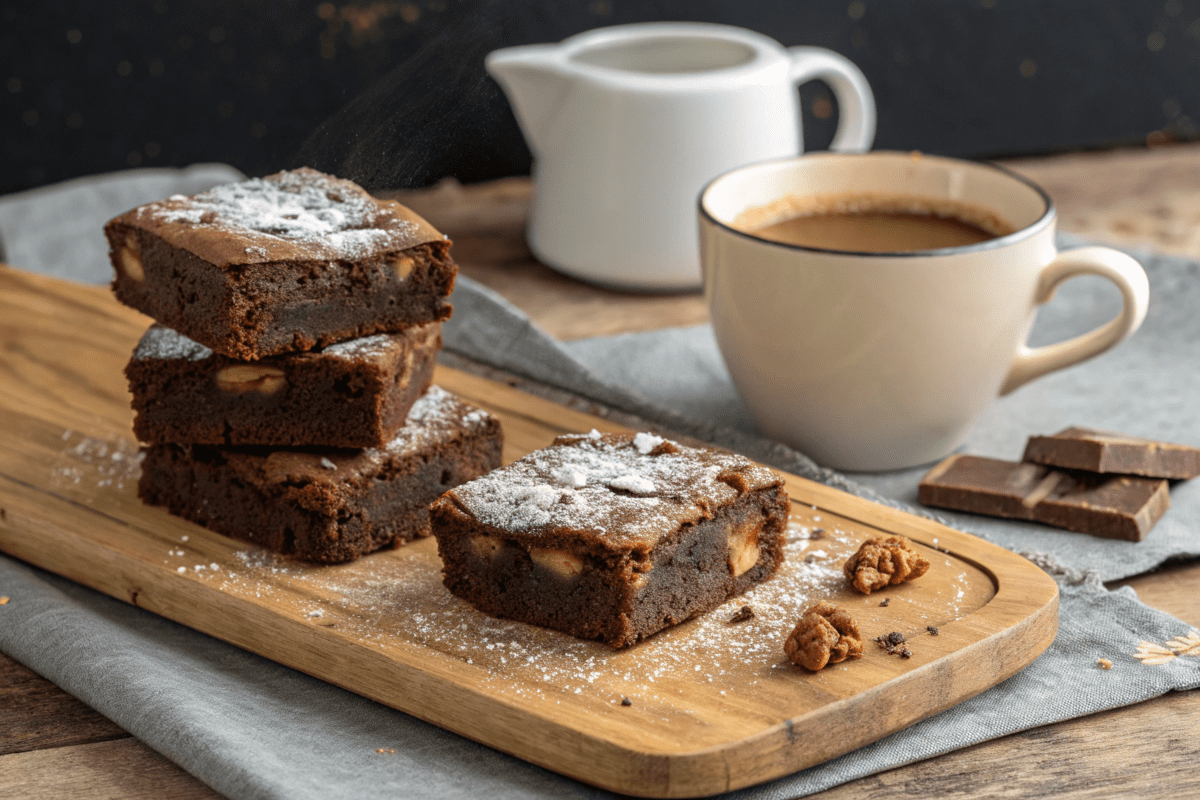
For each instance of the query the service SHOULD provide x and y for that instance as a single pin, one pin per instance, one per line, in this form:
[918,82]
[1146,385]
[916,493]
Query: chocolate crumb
[932,630]
[887,601]
[742,614]
[893,644]
[625,701]
[810,559]
[818,533]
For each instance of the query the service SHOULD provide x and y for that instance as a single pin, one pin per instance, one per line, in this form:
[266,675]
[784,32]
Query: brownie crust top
[296,215]
[616,491]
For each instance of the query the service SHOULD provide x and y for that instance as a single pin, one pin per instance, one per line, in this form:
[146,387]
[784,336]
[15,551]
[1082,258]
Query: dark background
[392,93]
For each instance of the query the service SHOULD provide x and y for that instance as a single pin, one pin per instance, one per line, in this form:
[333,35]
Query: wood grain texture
[67,471]
[84,773]
[1146,750]
[36,715]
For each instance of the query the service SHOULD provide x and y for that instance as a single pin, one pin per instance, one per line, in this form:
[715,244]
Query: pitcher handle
[856,103]
[1119,268]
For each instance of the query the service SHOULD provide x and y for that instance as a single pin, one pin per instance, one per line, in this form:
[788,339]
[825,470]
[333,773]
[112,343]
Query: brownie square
[327,505]
[351,394]
[290,262]
[611,537]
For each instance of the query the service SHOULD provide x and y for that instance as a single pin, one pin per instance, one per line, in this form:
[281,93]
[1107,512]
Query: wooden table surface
[53,746]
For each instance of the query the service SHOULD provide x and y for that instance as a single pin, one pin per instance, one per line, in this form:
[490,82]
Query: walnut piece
[825,634]
[880,562]
[243,378]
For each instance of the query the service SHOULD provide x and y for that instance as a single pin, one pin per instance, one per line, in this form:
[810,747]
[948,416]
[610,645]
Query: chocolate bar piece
[352,394]
[1101,451]
[1112,506]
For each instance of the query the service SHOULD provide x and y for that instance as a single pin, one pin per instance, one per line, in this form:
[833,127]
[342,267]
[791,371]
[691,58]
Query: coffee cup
[873,356]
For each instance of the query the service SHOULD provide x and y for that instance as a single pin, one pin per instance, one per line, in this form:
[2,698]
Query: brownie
[351,394]
[327,505]
[290,262]
[611,537]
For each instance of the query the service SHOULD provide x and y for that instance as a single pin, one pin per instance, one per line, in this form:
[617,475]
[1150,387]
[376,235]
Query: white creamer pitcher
[628,123]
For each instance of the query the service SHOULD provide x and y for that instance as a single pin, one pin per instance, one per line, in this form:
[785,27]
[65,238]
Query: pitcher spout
[535,82]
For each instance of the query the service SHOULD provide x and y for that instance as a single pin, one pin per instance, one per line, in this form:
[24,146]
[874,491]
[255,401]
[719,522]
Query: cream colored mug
[883,360]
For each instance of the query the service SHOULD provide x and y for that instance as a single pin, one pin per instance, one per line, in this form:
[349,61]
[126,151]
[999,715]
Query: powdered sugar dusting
[395,598]
[645,442]
[634,484]
[165,344]
[363,347]
[611,484]
[302,206]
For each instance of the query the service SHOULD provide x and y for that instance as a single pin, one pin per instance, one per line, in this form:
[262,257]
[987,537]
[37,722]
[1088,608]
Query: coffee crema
[872,223]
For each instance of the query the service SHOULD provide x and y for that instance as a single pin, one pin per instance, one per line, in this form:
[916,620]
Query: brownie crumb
[894,644]
[887,601]
[932,630]
[742,614]
[625,701]
[1103,663]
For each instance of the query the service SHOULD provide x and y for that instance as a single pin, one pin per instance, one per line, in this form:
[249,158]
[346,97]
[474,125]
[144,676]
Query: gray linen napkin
[253,729]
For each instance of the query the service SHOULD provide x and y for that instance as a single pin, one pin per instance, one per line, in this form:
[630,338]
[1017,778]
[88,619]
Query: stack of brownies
[283,396]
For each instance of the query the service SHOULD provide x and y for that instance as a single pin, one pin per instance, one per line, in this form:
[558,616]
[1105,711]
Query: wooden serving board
[712,705]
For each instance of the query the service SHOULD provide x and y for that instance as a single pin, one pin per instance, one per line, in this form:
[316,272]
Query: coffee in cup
[872,222]
[882,359]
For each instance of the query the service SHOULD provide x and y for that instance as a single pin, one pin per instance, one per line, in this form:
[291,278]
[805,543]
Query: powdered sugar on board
[397,598]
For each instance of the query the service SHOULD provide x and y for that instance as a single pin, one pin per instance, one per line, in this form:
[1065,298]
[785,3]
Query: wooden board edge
[779,752]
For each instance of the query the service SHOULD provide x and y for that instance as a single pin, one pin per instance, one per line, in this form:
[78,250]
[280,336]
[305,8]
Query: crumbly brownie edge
[251,311]
[304,400]
[198,485]
[616,598]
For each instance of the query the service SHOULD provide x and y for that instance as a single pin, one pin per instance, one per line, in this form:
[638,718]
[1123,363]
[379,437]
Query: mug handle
[1119,268]
[856,103]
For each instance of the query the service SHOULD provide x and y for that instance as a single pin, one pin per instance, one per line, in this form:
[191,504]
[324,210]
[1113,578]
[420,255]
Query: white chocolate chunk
[560,562]
[486,546]
[403,266]
[131,264]
[743,548]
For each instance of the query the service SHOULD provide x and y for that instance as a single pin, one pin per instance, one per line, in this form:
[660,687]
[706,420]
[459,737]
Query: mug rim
[1037,226]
